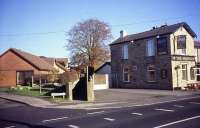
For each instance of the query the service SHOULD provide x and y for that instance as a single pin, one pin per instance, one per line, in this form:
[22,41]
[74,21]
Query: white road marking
[165,110]
[178,106]
[60,118]
[176,122]
[194,103]
[73,126]
[109,119]
[139,114]
[10,127]
[91,113]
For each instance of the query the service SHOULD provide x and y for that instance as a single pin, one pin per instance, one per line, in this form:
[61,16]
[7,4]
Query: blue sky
[39,26]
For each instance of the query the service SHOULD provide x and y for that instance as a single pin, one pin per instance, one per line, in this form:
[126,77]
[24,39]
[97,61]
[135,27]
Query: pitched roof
[61,66]
[34,60]
[165,29]
[48,60]
[60,62]
[106,63]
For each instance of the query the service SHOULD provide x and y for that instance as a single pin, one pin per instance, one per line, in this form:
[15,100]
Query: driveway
[119,98]
[138,94]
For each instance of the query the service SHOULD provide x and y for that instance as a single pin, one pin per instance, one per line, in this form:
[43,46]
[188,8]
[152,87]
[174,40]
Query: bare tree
[87,42]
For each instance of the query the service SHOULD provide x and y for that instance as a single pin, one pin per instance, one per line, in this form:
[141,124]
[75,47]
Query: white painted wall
[102,86]
[106,70]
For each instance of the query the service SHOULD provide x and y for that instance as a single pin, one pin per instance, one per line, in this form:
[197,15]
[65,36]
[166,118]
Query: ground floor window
[24,77]
[192,74]
[163,73]
[184,72]
[151,73]
[126,74]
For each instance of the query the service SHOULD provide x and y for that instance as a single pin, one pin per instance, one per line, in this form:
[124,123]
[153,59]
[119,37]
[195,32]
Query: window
[181,42]
[125,51]
[134,67]
[192,75]
[184,72]
[162,45]
[126,75]
[151,73]
[163,73]
[150,49]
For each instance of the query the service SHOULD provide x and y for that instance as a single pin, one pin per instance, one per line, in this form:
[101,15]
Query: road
[176,114]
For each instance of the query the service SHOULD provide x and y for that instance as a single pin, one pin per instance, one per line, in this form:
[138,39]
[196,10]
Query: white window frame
[192,73]
[150,47]
[184,69]
[125,51]
[126,72]
[150,70]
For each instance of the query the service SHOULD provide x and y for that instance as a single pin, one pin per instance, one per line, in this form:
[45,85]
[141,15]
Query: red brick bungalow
[19,67]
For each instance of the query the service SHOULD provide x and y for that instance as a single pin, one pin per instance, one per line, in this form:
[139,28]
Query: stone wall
[138,58]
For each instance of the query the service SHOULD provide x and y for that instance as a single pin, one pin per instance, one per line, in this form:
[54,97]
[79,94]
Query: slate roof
[165,29]
[106,63]
[34,60]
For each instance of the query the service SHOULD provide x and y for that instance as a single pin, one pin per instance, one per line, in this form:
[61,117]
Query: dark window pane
[181,42]
[162,45]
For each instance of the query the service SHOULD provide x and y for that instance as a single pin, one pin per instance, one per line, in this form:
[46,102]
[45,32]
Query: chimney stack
[123,33]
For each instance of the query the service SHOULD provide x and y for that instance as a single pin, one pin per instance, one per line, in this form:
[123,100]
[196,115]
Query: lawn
[26,91]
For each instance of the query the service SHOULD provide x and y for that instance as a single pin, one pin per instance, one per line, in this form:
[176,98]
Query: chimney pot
[123,33]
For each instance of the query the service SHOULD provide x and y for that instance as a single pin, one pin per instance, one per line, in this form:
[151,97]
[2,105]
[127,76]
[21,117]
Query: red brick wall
[99,79]
[9,64]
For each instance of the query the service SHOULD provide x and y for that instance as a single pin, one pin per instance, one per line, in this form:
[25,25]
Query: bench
[58,94]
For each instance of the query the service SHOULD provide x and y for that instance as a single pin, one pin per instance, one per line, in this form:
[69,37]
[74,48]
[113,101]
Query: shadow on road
[27,124]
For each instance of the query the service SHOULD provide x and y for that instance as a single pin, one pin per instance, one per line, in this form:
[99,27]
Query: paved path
[33,101]
[108,99]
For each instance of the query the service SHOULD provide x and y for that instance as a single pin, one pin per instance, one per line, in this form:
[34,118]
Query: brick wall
[9,64]
[99,79]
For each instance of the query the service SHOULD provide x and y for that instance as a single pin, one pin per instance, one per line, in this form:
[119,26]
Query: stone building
[161,58]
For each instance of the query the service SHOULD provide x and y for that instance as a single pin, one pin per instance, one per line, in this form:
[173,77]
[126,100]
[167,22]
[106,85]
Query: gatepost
[90,83]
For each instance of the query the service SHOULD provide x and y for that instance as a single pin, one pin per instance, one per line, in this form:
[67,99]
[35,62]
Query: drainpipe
[174,42]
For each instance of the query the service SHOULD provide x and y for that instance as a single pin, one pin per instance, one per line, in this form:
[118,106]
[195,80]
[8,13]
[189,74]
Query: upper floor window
[150,49]
[162,45]
[125,51]
[181,42]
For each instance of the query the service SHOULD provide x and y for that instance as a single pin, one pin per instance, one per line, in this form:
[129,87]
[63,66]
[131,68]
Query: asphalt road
[177,114]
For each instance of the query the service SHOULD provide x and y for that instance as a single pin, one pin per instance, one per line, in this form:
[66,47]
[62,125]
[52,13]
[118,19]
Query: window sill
[126,81]
[151,82]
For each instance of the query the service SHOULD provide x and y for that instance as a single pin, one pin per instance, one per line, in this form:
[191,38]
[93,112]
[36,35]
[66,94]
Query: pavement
[180,113]
[109,98]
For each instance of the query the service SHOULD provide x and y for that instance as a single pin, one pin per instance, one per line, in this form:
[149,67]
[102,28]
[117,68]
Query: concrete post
[32,80]
[69,91]
[40,85]
[90,87]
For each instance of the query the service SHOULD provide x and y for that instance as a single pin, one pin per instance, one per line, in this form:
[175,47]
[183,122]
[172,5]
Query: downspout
[174,43]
